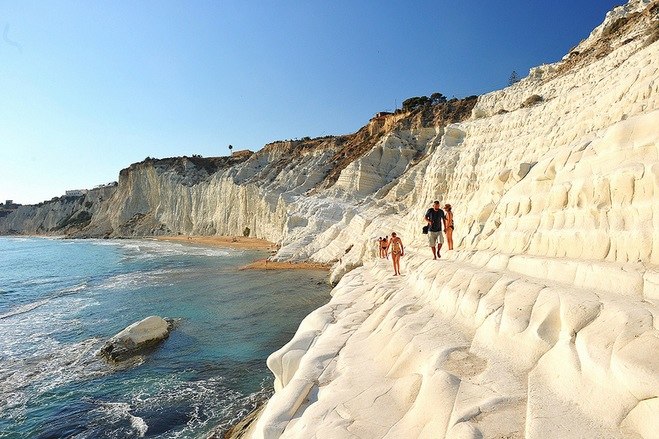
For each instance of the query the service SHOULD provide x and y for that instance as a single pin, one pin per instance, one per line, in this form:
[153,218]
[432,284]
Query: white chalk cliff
[542,323]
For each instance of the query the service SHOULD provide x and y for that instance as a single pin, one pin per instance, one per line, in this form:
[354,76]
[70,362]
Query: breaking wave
[60,301]
[22,309]
[151,249]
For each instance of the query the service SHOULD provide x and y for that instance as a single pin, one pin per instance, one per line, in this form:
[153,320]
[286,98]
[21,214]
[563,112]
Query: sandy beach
[247,244]
[224,241]
[265,264]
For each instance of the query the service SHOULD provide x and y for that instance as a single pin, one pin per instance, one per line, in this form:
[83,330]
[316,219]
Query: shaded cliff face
[60,216]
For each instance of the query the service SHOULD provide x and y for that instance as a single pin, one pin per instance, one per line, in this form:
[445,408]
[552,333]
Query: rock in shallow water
[136,338]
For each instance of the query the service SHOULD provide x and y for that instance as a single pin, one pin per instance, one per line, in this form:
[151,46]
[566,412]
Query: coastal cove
[538,319]
[61,299]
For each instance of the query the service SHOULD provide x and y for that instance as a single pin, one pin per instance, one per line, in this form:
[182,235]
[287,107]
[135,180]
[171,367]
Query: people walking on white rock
[397,250]
[436,220]
[380,246]
[383,247]
[449,226]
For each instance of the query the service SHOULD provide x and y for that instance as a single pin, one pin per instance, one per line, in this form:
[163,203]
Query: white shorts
[435,238]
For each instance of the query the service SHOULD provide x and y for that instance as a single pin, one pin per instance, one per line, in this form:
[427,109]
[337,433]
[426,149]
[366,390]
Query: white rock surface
[542,323]
[468,347]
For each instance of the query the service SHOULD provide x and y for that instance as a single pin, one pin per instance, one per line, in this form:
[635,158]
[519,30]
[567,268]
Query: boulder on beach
[136,338]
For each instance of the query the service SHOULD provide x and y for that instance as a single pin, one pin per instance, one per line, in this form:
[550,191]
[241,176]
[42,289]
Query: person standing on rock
[436,220]
[397,251]
[449,226]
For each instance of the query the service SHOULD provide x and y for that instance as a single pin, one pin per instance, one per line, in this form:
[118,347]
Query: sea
[61,299]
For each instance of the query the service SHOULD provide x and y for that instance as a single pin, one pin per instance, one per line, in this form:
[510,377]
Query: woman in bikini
[449,226]
[397,251]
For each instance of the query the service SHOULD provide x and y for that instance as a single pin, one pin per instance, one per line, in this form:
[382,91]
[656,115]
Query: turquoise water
[61,299]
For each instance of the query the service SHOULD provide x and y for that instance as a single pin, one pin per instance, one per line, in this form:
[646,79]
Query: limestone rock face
[136,338]
[543,320]
[59,216]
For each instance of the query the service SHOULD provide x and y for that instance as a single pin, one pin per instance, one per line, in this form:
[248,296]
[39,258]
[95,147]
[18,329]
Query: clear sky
[89,87]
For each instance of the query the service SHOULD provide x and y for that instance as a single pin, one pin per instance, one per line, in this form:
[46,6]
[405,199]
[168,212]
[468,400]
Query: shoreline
[244,243]
[232,242]
[235,242]
[265,264]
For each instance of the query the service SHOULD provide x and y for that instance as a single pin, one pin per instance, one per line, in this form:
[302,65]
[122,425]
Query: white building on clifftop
[75,193]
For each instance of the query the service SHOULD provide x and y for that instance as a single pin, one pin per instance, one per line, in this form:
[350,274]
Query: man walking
[436,222]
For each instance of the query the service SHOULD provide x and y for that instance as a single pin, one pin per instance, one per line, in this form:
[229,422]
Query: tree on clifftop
[514,77]
[415,102]
[437,98]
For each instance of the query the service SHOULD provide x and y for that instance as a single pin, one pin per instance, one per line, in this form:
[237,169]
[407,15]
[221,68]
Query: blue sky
[89,87]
